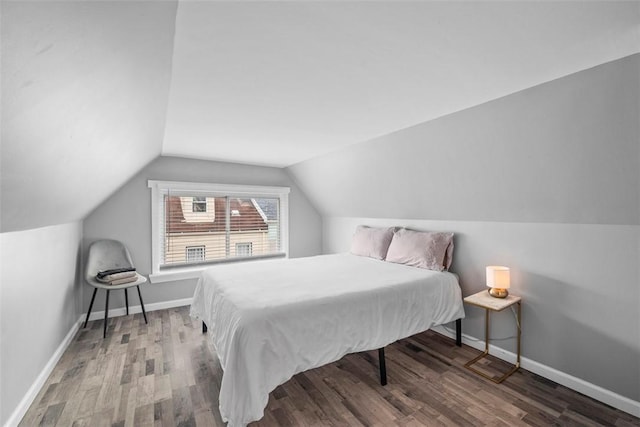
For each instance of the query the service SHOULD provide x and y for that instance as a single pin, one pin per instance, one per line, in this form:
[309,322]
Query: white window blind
[196,224]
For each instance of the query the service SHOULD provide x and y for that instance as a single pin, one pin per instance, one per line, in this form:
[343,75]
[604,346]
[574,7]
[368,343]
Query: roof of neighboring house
[269,207]
[248,219]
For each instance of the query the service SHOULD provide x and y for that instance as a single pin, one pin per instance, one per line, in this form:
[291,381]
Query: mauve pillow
[371,242]
[424,249]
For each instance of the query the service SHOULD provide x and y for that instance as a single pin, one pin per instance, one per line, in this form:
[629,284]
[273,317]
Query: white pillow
[371,242]
[424,249]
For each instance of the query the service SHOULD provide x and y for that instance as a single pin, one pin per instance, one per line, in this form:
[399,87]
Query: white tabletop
[484,300]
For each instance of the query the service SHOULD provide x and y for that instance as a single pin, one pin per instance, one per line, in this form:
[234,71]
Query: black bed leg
[383,366]
[204,328]
[459,332]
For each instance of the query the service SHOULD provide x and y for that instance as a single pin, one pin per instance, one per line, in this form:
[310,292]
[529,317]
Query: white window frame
[247,245]
[159,188]
[200,249]
[195,202]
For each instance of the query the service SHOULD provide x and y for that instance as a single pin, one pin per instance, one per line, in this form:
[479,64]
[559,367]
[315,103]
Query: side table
[484,300]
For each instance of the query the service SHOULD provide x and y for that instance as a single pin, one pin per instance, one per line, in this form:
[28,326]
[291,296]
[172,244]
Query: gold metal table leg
[486,349]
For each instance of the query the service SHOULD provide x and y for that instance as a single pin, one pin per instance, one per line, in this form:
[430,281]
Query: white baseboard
[35,388]
[598,393]
[122,311]
[33,391]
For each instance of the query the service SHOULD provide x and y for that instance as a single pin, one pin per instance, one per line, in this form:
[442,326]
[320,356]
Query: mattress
[272,319]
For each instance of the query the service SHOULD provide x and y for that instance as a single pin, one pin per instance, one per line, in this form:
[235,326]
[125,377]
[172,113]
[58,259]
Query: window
[196,223]
[199,204]
[195,253]
[244,249]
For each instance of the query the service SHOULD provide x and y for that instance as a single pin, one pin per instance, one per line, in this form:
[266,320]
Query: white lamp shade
[498,277]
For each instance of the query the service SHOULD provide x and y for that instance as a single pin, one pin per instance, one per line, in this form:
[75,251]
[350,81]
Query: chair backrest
[106,255]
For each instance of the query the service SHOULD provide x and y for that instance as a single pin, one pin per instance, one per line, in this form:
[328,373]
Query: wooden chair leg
[126,300]
[144,313]
[106,315]
[90,307]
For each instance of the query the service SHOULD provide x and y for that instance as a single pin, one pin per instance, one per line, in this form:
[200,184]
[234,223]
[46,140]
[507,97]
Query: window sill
[177,274]
[193,272]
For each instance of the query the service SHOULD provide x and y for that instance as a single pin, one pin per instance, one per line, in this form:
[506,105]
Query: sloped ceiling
[84,97]
[93,91]
[275,83]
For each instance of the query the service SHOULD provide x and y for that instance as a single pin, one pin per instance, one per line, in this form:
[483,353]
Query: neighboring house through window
[244,249]
[211,223]
[199,204]
[195,253]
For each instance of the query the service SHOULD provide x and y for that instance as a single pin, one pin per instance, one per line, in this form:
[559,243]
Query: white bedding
[272,319]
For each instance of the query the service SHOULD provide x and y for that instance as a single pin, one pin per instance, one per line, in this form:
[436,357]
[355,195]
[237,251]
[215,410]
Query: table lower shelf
[482,355]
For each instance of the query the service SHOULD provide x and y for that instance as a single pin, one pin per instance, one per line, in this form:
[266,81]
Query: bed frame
[382,363]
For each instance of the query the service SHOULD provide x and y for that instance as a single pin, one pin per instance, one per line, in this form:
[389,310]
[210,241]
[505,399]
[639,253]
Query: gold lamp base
[498,293]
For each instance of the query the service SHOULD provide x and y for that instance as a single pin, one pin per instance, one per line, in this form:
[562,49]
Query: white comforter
[272,319]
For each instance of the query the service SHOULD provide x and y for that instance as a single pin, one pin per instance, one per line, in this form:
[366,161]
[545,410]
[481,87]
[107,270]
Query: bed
[273,319]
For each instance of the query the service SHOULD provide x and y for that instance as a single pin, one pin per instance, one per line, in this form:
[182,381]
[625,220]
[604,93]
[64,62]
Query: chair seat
[95,283]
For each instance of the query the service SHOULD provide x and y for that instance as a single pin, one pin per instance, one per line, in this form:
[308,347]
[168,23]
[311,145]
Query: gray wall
[84,98]
[565,151]
[546,181]
[126,216]
[39,304]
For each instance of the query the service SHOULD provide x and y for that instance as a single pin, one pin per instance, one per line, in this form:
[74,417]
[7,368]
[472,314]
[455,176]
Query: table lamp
[498,281]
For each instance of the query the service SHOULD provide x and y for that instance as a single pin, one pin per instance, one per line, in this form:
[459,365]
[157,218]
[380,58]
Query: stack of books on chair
[117,276]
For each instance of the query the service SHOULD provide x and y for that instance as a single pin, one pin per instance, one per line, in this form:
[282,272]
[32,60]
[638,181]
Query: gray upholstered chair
[107,255]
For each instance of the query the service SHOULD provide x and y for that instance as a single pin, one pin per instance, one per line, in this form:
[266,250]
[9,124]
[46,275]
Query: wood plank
[166,373]
[51,415]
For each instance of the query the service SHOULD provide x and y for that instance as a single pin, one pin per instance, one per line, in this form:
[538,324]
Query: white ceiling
[276,83]
[94,90]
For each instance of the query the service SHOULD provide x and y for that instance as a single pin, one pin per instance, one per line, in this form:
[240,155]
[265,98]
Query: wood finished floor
[167,374]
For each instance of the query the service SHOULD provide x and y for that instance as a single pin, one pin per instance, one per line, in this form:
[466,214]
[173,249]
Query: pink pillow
[371,242]
[424,249]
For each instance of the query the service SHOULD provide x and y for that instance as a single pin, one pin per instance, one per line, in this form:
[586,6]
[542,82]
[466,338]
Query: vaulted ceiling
[92,91]
[276,83]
